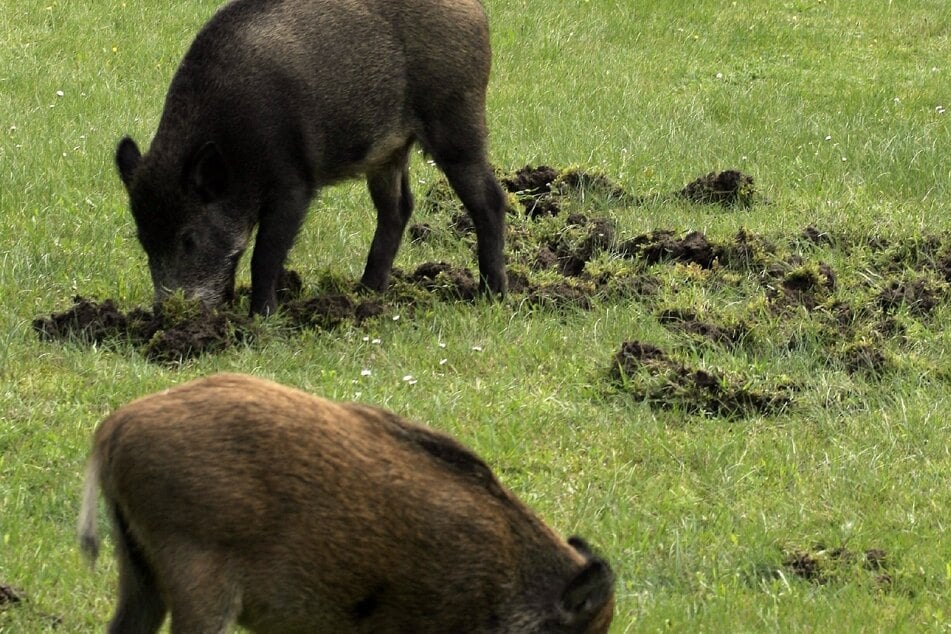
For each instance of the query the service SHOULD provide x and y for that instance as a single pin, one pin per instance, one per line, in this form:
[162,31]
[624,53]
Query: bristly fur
[248,502]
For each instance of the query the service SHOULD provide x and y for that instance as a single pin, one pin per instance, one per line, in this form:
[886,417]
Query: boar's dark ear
[127,159]
[207,173]
[587,592]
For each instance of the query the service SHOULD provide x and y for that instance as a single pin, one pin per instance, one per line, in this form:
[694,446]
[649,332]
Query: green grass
[835,108]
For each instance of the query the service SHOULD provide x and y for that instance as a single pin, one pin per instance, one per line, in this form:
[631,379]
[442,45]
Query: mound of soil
[802,285]
[573,247]
[559,295]
[170,334]
[919,296]
[686,321]
[87,321]
[821,565]
[727,188]
[542,190]
[864,358]
[649,374]
[531,181]
[9,596]
[446,281]
[662,246]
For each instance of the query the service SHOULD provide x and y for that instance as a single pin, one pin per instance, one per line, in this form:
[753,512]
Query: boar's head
[187,220]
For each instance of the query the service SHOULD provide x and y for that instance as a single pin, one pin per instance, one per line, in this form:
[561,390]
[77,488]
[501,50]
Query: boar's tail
[88,537]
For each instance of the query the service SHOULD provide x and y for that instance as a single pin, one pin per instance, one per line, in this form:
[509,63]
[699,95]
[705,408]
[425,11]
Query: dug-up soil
[822,565]
[9,596]
[561,256]
[652,375]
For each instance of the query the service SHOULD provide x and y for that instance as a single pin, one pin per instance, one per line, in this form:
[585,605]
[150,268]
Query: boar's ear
[127,160]
[207,173]
[587,592]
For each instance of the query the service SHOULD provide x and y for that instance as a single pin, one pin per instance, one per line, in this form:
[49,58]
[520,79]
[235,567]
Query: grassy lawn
[771,454]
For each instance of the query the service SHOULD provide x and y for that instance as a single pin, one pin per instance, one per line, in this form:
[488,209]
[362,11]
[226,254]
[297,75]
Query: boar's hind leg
[390,191]
[482,196]
[203,597]
[140,608]
[455,136]
[281,219]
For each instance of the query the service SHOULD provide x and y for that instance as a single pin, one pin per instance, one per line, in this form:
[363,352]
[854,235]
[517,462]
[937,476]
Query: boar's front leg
[281,218]
[390,191]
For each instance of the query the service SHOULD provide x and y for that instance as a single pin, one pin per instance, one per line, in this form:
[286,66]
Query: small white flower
[939,110]
[365,372]
[60,93]
[366,338]
[377,342]
[719,75]
[442,344]
[396,317]
[477,348]
[828,137]
[409,379]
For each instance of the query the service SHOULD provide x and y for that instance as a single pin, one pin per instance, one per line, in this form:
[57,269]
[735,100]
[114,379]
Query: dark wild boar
[234,499]
[278,98]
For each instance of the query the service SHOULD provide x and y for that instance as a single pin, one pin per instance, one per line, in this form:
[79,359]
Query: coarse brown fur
[235,499]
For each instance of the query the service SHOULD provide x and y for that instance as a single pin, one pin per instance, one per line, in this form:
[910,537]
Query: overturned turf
[786,293]
[9,596]
[648,373]
[822,565]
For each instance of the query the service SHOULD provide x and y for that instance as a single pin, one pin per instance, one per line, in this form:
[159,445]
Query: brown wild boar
[276,99]
[237,500]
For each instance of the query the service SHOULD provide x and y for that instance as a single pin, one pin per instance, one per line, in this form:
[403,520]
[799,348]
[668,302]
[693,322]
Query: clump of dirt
[532,188]
[686,321]
[918,295]
[420,232]
[9,596]
[572,247]
[807,285]
[87,321]
[531,181]
[661,246]
[813,236]
[175,331]
[559,295]
[175,340]
[649,374]
[543,190]
[445,280]
[943,267]
[325,312]
[626,285]
[461,223]
[746,251]
[864,358]
[822,565]
[728,188]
